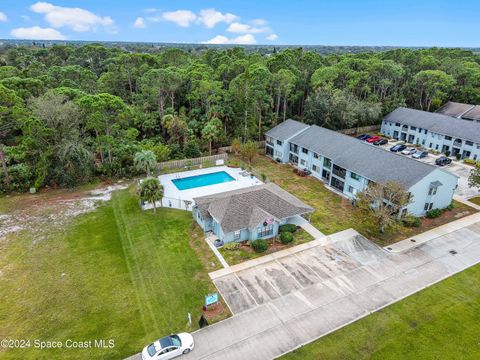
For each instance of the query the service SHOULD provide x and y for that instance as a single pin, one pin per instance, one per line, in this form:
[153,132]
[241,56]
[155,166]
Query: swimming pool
[196,181]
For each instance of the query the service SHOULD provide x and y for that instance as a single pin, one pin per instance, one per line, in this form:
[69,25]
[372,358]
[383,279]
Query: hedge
[259,245]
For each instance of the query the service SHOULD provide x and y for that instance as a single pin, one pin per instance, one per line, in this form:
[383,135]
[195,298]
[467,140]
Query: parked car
[409,151]
[364,137]
[381,142]
[169,347]
[373,139]
[419,154]
[398,147]
[443,160]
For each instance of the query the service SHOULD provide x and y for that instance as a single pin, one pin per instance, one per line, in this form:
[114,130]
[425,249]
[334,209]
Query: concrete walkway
[217,253]
[312,230]
[466,202]
[336,281]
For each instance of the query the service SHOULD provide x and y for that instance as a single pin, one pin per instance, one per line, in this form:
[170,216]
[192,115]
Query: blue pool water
[192,182]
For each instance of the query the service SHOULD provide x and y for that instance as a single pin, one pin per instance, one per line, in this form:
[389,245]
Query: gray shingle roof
[247,208]
[454,109]
[286,129]
[437,123]
[364,159]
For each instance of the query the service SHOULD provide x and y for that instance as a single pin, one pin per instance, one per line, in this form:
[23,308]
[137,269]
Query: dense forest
[69,114]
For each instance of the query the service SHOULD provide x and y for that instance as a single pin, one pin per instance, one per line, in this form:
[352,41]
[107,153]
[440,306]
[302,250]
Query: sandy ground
[38,213]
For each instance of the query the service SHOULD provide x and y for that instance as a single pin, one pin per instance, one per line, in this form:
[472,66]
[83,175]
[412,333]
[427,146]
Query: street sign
[211,299]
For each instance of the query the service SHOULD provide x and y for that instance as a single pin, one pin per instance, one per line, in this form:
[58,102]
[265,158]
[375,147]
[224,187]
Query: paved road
[301,295]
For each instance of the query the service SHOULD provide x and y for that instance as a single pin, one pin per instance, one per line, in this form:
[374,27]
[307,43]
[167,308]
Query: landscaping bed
[245,251]
[475,200]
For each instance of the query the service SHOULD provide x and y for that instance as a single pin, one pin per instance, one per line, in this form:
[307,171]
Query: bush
[458,156]
[447,153]
[286,237]
[287,228]
[259,245]
[411,221]
[232,246]
[470,162]
[434,213]
[450,207]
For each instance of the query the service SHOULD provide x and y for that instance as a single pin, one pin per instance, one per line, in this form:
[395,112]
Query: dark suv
[442,161]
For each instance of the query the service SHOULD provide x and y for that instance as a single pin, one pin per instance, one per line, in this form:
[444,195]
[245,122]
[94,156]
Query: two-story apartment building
[276,139]
[435,131]
[348,165]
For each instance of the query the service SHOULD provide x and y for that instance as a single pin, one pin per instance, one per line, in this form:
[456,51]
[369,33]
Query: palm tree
[151,191]
[145,161]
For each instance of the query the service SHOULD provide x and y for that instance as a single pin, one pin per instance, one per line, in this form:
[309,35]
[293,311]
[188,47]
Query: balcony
[339,171]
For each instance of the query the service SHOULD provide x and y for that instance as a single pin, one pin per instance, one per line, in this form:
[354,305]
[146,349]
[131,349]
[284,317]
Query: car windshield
[176,340]
[151,350]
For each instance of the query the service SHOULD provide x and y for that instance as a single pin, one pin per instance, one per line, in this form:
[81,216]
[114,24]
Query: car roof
[165,342]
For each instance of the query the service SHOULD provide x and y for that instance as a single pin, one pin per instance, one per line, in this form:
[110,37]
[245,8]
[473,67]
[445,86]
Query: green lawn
[116,273]
[334,213]
[441,322]
[475,200]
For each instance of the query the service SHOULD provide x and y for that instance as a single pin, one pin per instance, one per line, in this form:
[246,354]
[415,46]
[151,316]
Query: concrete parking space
[285,300]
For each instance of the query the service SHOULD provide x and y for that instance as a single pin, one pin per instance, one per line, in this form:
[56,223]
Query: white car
[169,347]
[409,151]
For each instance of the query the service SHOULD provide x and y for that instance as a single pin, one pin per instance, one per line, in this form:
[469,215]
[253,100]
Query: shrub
[447,153]
[470,162]
[458,156]
[232,246]
[411,221]
[434,213]
[259,245]
[287,228]
[286,237]
[450,207]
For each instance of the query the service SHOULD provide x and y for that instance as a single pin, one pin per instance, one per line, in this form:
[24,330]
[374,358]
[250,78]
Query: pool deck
[175,198]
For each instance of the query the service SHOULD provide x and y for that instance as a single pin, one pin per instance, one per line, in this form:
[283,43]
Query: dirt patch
[51,208]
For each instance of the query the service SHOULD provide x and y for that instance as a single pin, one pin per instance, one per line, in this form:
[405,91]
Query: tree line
[70,114]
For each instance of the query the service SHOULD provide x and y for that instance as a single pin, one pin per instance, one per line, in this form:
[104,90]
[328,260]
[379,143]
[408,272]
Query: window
[397,124]
[352,190]
[279,142]
[265,231]
[305,151]
[278,154]
[315,168]
[337,184]
[339,171]
[425,207]
[436,147]
[432,190]
[420,130]
[430,145]
[428,206]
[315,155]
[236,235]
[355,176]
[302,162]
[413,128]
[469,143]
[448,138]
[425,131]
[294,148]
[327,163]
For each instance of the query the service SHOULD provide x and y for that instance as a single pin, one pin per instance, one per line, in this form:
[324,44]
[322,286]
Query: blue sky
[306,22]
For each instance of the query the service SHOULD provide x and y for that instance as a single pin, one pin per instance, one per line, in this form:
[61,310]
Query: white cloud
[247,39]
[139,23]
[239,28]
[77,19]
[211,17]
[151,10]
[37,33]
[3,17]
[272,37]
[219,39]
[182,18]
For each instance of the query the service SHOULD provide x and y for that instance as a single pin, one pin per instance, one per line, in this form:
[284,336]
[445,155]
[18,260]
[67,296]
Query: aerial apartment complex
[453,135]
[348,165]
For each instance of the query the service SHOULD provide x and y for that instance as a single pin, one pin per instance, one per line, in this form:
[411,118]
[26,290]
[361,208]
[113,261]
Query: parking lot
[456,167]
